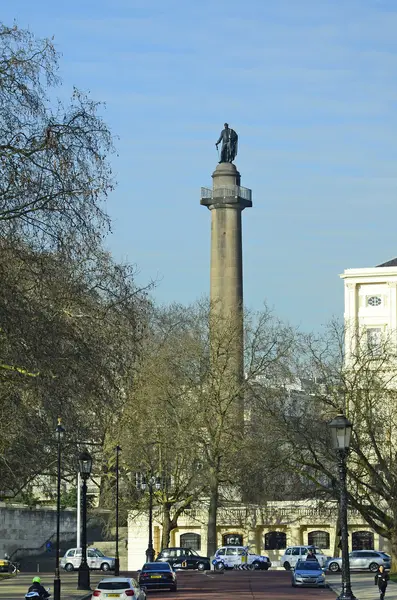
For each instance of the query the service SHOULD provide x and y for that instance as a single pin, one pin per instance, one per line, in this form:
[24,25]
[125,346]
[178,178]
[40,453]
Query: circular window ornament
[374,301]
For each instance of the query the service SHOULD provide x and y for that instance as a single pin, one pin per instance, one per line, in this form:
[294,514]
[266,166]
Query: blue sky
[311,88]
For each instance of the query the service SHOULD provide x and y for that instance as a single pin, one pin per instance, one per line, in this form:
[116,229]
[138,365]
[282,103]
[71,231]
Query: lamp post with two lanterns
[85,467]
[341,430]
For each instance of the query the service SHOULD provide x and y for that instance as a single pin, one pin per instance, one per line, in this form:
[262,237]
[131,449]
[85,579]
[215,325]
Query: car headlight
[298,577]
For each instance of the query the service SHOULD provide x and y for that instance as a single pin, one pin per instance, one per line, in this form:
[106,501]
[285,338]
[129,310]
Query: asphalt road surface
[240,585]
[236,585]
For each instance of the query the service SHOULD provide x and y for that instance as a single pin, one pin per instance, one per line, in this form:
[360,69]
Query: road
[242,585]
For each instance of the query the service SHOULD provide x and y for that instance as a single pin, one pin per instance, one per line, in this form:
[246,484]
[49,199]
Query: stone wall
[28,529]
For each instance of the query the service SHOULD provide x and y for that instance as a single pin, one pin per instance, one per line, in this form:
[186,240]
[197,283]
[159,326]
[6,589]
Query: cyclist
[38,588]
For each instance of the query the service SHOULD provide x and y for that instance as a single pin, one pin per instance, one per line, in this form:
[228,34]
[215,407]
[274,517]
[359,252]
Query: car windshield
[194,552]
[98,552]
[308,565]
[160,566]
[114,585]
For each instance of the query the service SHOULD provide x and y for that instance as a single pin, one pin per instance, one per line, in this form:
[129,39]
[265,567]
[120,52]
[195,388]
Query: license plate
[155,576]
[113,595]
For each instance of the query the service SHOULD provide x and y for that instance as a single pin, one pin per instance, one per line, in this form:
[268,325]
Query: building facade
[370,306]
[268,529]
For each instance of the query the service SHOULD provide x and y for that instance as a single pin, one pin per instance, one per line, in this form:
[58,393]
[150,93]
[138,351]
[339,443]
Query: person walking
[381,580]
[311,555]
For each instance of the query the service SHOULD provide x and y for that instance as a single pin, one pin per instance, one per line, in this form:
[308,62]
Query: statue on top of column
[229,139]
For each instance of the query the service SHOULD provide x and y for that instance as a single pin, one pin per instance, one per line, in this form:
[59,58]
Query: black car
[184,558]
[157,575]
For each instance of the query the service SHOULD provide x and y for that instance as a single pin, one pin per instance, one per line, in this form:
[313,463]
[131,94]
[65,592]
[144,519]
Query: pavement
[15,588]
[244,585]
[363,586]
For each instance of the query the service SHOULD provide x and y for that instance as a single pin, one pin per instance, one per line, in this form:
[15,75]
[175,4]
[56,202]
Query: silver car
[361,560]
[308,573]
[95,559]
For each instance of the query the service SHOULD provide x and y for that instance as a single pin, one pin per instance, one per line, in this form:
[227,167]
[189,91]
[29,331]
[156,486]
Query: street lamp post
[151,483]
[85,465]
[341,430]
[59,433]
[117,559]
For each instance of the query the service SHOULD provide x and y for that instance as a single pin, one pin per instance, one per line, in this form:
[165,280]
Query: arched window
[232,539]
[191,540]
[319,538]
[362,540]
[275,540]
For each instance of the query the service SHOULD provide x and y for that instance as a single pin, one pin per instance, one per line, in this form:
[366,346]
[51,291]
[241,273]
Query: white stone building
[370,306]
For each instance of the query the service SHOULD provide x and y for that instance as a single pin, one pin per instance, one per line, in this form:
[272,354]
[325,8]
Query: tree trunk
[212,516]
[167,526]
[393,544]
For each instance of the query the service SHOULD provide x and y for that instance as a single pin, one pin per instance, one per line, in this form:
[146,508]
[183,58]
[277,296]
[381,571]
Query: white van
[295,553]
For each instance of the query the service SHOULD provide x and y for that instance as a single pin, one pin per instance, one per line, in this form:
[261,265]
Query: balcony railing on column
[235,191]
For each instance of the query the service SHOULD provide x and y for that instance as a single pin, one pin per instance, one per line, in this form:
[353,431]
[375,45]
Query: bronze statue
[229,139]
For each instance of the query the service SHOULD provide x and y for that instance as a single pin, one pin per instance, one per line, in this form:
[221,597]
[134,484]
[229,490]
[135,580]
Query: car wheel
[287,566]
[105,567]
[173,588]
[69,567]
[373,567]
[257,565]
[201,566]
[293,584]
[334,567]
[219,566]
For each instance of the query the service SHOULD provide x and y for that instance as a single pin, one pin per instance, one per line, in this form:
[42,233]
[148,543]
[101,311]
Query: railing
[235,191]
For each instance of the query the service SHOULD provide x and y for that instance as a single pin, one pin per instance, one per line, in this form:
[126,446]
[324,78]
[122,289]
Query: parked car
[308,573]
[361,560]
[122,588]
[231,556]
[95,559]
[184,558]
[158,575]
[4,565]
[293,554]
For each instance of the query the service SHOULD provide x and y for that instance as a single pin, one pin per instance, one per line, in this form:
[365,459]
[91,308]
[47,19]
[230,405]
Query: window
[91,553]
[232,539]
[318,538]
[114,585]
[221,552]
[191,540]
[71,553]
[296,551]
[374,340]
[288,551]
[231,551]
[275,540]
[241,551]
[362,540]
[374,301]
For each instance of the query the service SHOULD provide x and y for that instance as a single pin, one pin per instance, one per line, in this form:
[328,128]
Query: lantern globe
[341,429]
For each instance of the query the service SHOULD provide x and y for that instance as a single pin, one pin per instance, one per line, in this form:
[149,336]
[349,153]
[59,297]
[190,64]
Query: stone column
[226,201]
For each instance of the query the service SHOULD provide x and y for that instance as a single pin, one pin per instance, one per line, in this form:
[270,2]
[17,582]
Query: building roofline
[378,272]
